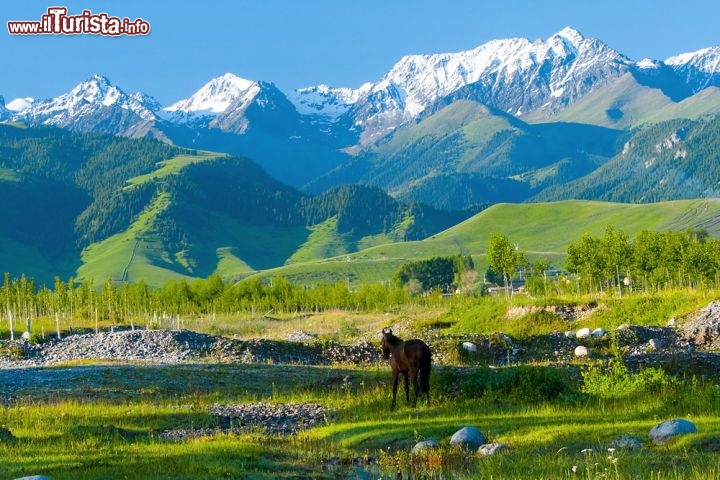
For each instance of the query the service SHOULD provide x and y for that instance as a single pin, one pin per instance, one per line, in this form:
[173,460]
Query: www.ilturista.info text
[57,22]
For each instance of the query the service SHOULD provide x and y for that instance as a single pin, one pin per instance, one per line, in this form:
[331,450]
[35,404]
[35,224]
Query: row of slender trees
[611,263]
[614,262]
[21,299]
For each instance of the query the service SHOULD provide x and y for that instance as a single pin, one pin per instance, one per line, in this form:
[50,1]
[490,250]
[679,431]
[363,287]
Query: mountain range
[302,135]
[513,120]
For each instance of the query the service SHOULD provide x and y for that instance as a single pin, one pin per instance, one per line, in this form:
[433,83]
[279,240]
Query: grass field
[101,428]
[318,254]
[173,166]
[90,421]
[541,229]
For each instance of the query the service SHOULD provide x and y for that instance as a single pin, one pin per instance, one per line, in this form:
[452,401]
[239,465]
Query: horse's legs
[407,388]
[416,387]
[394,388]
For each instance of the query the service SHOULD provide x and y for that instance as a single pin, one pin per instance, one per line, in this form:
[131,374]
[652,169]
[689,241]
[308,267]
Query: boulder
[468,437]
[669,429]
[492,448]
[583,333]
[424,446]
[582,351]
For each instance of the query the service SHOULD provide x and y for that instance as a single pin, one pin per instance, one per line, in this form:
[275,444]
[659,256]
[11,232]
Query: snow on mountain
[93,105]
[515,75]
[326,101]
[213,98]
[648,64]
[699,69]
[20,104]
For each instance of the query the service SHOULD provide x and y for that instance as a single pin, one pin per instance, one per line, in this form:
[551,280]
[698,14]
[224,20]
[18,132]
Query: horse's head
[386,342]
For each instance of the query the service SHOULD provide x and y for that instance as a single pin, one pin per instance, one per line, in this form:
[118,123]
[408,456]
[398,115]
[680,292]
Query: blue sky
[296,43]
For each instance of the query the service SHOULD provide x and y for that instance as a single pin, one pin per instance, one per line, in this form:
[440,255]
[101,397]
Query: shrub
[616,380]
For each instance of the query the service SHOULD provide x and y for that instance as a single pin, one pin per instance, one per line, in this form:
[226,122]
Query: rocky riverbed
[696,339]
[179,346]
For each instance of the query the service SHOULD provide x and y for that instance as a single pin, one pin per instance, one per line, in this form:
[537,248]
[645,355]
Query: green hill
[94,207]
[228,216]
[540,229]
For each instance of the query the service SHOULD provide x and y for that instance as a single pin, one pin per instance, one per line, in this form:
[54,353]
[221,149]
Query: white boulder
[583,333]
[582,351]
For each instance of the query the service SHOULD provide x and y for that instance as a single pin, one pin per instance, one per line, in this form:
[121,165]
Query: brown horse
[412,358]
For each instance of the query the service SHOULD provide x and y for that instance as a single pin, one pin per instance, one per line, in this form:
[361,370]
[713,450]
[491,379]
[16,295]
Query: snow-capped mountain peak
[571,35]
[95,104]
[648,64]
[698,69]
[515,74]
[326,101]
[20,104]
[96,89]
[216,96]
[706,59]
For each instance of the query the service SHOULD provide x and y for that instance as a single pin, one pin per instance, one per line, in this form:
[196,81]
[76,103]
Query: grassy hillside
[541,229]
[173,166]
[627,103]
[677,159]
[466,154]
[218,214]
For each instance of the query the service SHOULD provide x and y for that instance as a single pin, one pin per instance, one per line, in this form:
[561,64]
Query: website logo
[57,22]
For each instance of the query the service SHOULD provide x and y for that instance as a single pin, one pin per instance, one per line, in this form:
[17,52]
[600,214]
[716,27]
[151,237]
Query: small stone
[570,334]
[492,448]
[468,437]
[583,333]
[423,446]
[599,332]
[654,344]
[582,351]
[469,347]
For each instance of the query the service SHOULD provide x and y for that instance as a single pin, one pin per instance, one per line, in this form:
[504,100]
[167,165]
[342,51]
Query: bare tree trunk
[10,323]
[57,325]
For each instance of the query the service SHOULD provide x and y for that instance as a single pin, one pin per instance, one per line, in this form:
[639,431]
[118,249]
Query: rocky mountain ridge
[515,75]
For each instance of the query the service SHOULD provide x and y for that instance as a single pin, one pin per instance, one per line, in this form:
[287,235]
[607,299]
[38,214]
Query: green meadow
[92,420]
[540,229]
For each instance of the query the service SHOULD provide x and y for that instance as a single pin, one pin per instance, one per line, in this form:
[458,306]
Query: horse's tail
[425,367]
